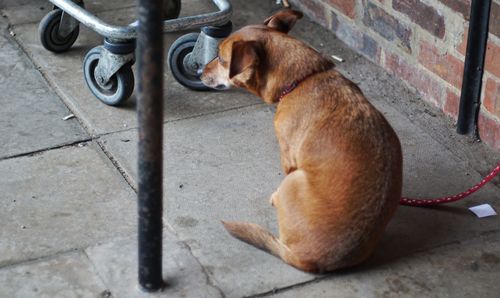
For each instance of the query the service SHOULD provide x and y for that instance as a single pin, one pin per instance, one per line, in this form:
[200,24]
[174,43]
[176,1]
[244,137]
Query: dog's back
[342,159]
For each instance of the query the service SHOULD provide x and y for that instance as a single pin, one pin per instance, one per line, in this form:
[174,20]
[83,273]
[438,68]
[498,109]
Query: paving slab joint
[48,257]
[107,292]
[79,143]
[205,271]
[116,164]
[288,288]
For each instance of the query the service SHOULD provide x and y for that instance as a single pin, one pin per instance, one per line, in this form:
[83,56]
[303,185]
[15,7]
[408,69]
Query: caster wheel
[178,54]
[171,9]
[119,87]
[49,36]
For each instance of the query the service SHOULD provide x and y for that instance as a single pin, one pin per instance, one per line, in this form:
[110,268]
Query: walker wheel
[119,87]
[49,33]
[178,55]
[171,9]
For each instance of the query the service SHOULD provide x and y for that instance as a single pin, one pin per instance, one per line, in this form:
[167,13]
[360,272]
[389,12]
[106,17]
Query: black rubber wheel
[119,87]
[171,9]
[48,31]
[177,53]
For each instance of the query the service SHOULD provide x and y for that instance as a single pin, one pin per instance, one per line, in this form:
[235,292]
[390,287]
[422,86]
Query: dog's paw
[273,198]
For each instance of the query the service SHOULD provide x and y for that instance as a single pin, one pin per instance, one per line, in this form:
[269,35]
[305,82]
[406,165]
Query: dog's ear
[283,20]
[245,56]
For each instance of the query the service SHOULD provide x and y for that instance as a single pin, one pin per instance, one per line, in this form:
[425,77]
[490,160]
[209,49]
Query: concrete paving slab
[60,200]
[116,263]
[222,166]
[65,276]
[467,269]
[31,117]
[64,72]
[14,3]
[225,166]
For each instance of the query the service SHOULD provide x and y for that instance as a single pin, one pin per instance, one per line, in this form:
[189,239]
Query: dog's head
[242,60]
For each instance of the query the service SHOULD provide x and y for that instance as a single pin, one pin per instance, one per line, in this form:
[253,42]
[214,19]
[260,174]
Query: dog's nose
[220,87]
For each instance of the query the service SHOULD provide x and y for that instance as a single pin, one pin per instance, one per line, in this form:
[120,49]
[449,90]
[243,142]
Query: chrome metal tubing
[129,32]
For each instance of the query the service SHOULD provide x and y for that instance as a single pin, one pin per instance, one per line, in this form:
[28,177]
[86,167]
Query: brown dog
[342,159]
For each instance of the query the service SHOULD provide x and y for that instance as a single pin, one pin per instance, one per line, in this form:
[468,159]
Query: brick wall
[422,42]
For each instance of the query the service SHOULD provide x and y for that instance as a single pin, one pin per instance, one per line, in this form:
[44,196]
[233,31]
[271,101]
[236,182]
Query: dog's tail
[261,238]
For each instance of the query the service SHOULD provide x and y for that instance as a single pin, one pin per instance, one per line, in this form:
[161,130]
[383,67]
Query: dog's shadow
[416,229]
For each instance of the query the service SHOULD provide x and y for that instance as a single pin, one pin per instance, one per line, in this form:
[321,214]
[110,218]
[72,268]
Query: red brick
[444,65]
[491,99]
[451,104]
[314,9]
[387,26]
[422,14]
[492,60]
[462,47]
[347,7]
[461,6]
[355,38]
[489,131]
[495,19]
[430,88]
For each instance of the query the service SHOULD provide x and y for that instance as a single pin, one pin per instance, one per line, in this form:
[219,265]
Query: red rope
[443,200]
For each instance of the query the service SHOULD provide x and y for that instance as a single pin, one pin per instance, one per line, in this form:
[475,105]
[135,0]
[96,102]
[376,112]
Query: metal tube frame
[129,32]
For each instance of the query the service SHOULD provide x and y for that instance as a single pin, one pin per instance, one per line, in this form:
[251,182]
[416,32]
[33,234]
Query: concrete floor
[68,212]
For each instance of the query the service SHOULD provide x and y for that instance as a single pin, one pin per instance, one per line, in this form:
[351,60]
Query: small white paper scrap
[337,58]
[483,210]
[69,117]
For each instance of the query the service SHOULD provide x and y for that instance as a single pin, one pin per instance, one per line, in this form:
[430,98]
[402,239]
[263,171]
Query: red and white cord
[457,197]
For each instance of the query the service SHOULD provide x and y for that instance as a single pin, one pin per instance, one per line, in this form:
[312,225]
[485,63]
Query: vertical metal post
[150,161]
[474,66]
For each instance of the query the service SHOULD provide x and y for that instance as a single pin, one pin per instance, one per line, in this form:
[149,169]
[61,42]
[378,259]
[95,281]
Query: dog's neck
[289,88]
[288,67]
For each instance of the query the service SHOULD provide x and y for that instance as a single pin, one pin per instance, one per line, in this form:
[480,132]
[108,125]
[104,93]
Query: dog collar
[289,88]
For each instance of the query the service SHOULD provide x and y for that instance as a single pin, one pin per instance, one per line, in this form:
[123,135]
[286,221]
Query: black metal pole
[150,159]
[474,66]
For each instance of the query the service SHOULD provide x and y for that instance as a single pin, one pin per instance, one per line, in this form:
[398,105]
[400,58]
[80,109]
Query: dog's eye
[221,61]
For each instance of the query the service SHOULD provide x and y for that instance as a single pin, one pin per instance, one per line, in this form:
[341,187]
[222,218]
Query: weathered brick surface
[461,6]
[444,65]
[432,64]
[429,87]
[387,26]
[489,130]
[491,99]
[354,38]
[348,8]
[462,47]
[315,9]
[495,19]
[422,14]
[451,103]
[492,60]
